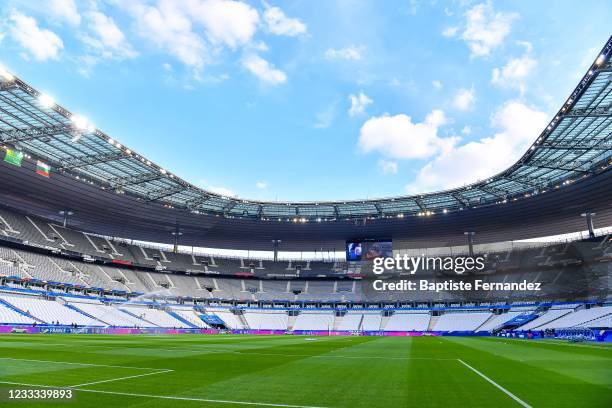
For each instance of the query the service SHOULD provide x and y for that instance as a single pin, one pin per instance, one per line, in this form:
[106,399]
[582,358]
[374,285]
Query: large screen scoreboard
[368,249]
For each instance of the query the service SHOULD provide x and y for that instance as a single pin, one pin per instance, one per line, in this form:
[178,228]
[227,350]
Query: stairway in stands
[181,319]
[432,322]
[493,316]
[291,322]
[243,321]
[383,322]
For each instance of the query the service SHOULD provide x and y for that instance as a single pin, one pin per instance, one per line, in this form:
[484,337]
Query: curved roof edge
[576,144]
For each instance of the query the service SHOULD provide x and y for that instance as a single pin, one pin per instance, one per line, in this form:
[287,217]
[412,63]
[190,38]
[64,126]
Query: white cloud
[325,117]
[528,46]
[486,29]
[263,70]
[359,103]
[437,84]
[41,43]
[278,23]
[514,73]
[64,11]
[351,52]
[450,31]
[226,22]
[175,27]
[171,30]
[466,130]
[108,40]
[398,137]
[387,166]
[518,124]
[226,192]
[464,99]
[262,185]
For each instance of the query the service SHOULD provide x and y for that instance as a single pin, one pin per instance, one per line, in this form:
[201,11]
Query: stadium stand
[579,317]
[415,321]
[10,315]
[461,321]
[48,311]
[109,315]
[155,317]
[189,315]
[552,314]
[497,321]
[314,321]
[266,320]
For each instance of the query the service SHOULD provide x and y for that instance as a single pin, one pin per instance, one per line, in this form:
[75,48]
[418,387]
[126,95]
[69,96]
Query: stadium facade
[73,199]
[113,190]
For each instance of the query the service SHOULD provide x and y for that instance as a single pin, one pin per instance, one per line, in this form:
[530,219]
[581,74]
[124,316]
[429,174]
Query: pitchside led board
[368,249]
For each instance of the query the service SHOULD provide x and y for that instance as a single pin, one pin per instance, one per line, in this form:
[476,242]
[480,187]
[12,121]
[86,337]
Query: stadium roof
[576,144]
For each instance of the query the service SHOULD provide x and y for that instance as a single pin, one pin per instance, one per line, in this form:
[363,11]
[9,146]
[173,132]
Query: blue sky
[310,100]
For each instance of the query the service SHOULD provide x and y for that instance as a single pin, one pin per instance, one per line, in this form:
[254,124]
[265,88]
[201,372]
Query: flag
[13,157]
[42,168]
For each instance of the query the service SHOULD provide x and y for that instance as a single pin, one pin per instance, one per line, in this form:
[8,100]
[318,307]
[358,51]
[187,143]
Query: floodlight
[7,76]
[80,122]
[46,101]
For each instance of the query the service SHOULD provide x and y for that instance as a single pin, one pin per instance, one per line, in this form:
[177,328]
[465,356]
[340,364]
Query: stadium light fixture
[7,76]
[80,122]
[46,101]
[600,59]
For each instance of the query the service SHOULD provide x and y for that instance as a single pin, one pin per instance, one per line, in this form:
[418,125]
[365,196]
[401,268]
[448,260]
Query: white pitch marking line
[341,356]
[261,404]
[84,364]
[222,351]
[505,391]
[120,378]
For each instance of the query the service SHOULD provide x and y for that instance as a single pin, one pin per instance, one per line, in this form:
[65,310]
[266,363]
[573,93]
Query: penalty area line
[120,378]
[505,391]
[167,397]
[82,364]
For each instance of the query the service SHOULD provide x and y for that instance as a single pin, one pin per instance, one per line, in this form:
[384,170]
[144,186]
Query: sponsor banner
[29,329]
[13,157]
[121,262]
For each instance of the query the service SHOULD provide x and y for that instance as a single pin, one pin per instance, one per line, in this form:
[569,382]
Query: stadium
[123,284]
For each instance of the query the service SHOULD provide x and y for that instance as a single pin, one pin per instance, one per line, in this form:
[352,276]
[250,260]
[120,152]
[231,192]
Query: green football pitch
[298,371]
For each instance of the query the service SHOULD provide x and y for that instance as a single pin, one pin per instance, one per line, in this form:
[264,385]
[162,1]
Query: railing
[339,256]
